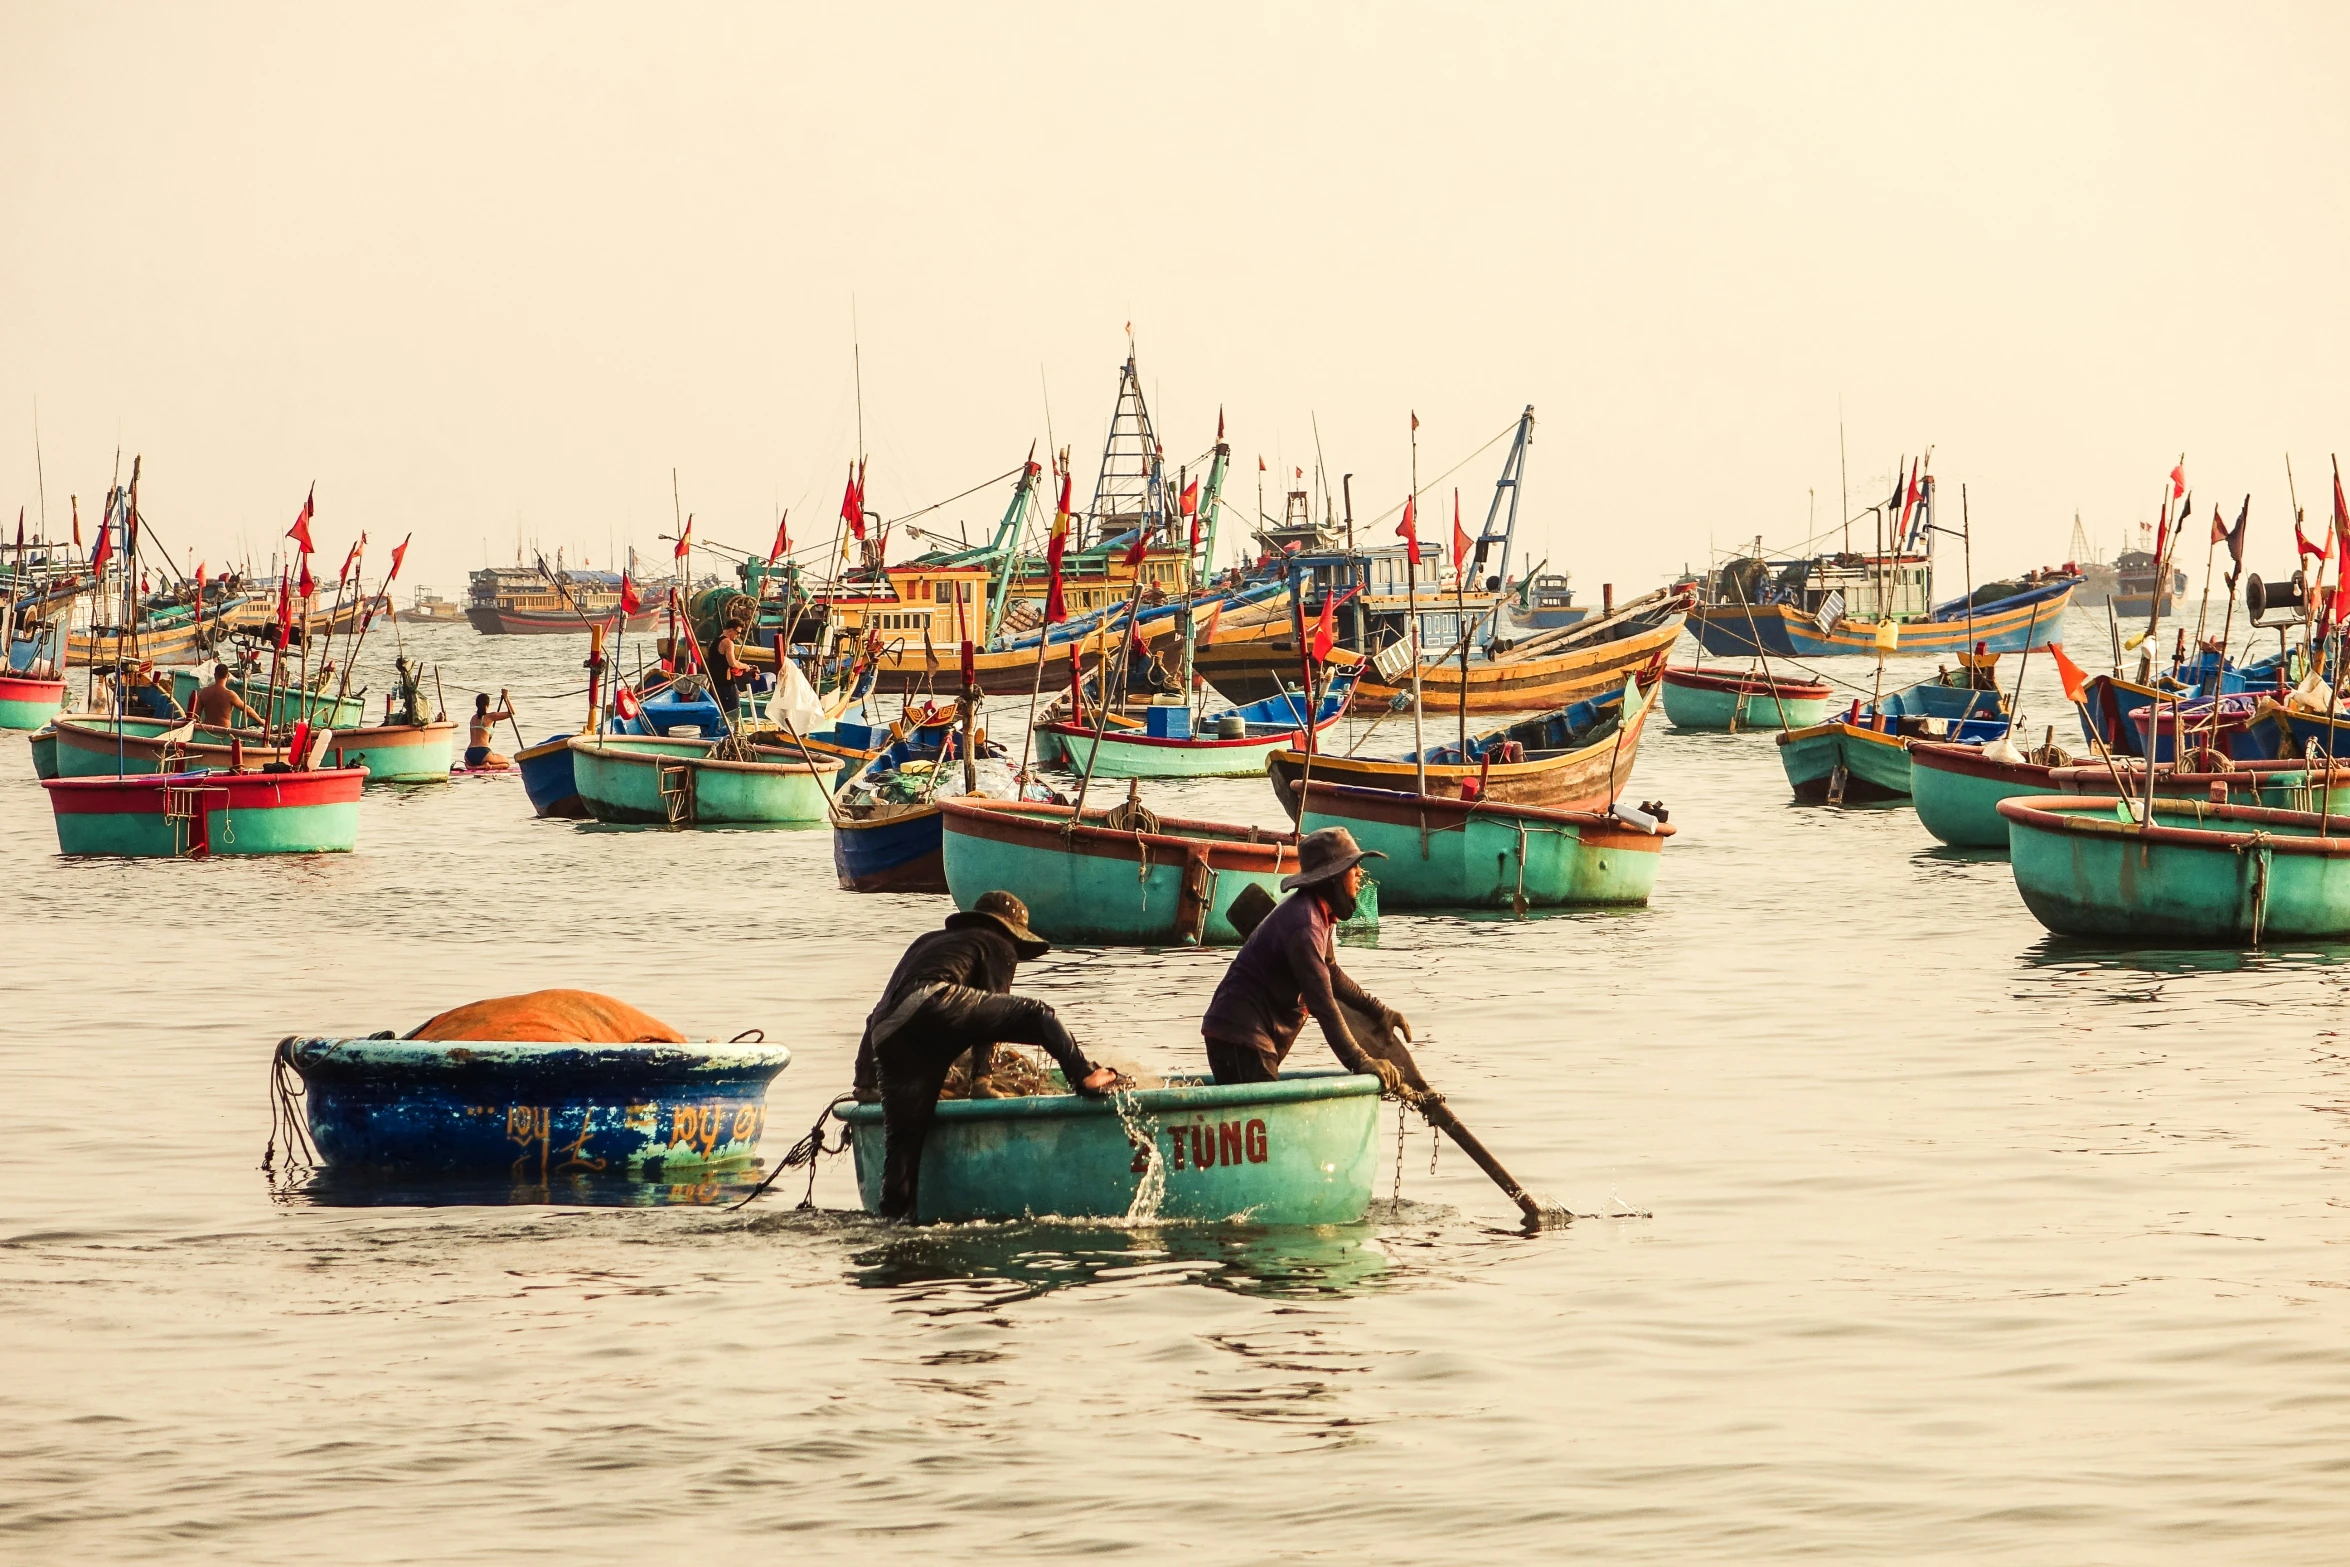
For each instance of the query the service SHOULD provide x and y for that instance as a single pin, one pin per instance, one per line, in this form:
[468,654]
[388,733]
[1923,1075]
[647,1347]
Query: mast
[1003,555]
[1130,490]
[1499,528]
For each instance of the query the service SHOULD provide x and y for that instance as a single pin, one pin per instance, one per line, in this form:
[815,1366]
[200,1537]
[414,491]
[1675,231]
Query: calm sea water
[1911,1234]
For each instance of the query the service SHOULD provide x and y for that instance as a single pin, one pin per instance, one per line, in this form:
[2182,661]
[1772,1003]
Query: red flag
[1415,421]
[2304,548]
[685,537]
[399,554]
[1408,530]
[1260,465]
[1056,608]
[852,503]
[1326,627]
[350,560]
[2219,527]
[102,552]
[1189,501]
[2341,515]
[1909,500]
[1219,426]
[630,600]
[300,531]
[1139,548]
[1460,540]
[2178,480]
[2076,680]
[285,613]
[782,544]
[303,584]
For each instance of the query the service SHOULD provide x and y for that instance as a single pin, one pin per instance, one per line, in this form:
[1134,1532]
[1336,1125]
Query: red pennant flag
[630,600]
[1460,540]
[1408,530]
[285,613]
[685,537]
[399,554]
[1326,627]
[1189,502]
[1415,422]
[2076,680]
[103,551]
[2301,543]
[1219,426]
[1139,548]
[782,544]
[304,585]
[852,503]
[2219,527]
[300,531]
[350,560]
[1260,465]
[2178,480]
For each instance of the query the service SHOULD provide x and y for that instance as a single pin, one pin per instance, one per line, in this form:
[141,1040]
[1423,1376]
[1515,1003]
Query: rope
[808,1150]
[289,1122]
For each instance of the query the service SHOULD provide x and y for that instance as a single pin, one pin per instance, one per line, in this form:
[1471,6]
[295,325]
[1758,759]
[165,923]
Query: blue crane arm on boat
[1083,625]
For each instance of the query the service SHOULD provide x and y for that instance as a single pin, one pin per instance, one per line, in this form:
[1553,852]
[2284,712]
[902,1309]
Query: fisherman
[727,672]
[484,724]
[216,704]
[950,994]
[1286,970]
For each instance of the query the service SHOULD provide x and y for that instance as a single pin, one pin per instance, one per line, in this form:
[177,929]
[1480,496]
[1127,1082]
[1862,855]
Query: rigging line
[892,522]
[1397,509]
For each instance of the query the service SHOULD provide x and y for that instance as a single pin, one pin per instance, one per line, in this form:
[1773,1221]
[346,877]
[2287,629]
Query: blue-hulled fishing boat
[532,1111]
[548,780]
[886,832]
[1232,743]
[1302,1150]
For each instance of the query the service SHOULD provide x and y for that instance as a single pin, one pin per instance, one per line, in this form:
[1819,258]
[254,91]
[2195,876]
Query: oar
[1248,911]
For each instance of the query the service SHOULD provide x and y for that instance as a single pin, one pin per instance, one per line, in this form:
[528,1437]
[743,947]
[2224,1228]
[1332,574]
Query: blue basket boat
[530,1111]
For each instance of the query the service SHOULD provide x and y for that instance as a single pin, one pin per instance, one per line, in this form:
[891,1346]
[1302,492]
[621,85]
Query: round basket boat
[1298,1151]
[529,1110]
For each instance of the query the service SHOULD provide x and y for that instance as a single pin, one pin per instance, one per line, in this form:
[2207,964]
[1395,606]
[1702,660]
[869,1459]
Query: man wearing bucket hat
[949,994]
[1286,970]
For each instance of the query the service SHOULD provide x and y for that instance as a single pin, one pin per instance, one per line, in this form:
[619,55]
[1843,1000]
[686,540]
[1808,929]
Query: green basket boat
[2197,873]
[1101,883]
[194,815]
[1449,854]
[1302,1150]
[1957,789]
[90,745]
[397,753]
[647,782]
[1705,699]
[29,703]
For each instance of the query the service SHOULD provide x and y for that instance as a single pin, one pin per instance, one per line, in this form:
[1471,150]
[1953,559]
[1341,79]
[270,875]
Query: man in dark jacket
[949,994]
[1286,971]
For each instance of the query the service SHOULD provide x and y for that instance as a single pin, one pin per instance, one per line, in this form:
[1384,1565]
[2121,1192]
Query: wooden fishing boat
[282,704]
[1116,879]
[2029,618]
[28,703]
[1864,755]
[92,746]
[2235,725]
[1236,744]
[679,783]
[531,1111]
[1550,670]
[547,779]
[193,815]
[1302,1150]
[1449,854]
[882,839]
[397,753]
[1712,699]
[2195,872]
[2279,785]
[1575,759]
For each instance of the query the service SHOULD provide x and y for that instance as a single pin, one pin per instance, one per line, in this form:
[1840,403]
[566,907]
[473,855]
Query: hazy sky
[479,268]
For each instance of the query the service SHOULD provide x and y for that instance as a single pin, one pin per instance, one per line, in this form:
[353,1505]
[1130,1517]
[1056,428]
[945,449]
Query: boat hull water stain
[532,1111]
[1299,1151]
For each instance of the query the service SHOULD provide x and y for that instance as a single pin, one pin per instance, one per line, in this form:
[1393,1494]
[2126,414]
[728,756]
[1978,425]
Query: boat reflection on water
[2092,959]
[991,1264]
[331,1188]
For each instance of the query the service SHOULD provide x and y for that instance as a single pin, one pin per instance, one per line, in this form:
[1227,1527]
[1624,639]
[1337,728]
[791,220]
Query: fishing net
[1015,1072]
[550,1016]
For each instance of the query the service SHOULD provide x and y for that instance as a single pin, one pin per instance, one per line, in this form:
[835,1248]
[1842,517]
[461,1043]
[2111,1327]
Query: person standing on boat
[216,704]
[485,724]
[728,672]
[949,994]
[1287,970]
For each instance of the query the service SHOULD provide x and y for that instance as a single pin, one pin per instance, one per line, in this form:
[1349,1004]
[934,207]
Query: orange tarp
[551,1016]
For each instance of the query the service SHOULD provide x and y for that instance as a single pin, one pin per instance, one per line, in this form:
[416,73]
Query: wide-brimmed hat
[1327,853]
[1002,911]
